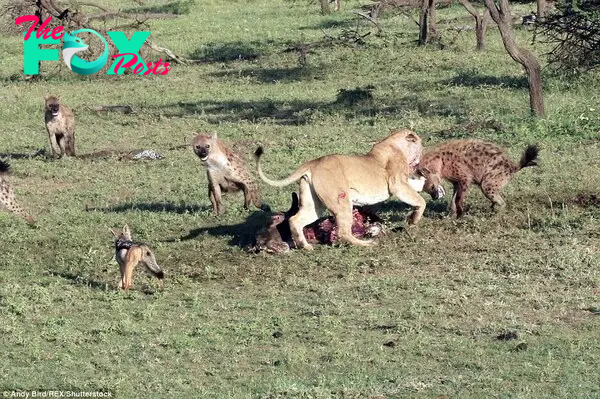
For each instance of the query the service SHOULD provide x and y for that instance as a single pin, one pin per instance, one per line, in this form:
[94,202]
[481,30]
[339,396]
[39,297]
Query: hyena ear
[214,136]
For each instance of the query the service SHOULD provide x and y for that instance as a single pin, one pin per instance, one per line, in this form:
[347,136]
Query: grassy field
[421,315]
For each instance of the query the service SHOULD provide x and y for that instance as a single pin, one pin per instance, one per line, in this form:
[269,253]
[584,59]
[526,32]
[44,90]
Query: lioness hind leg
[406,194]
[338,201]
[307,213]
[344,221]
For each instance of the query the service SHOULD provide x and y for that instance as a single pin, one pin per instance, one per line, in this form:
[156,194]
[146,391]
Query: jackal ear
[126,231]
[115,233]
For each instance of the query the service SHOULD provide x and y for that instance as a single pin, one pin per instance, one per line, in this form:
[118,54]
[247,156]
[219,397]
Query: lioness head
[203,145]
[409,143]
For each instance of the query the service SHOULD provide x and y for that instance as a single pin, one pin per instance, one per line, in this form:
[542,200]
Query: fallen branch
[177,59]
[105,16]
[370,19]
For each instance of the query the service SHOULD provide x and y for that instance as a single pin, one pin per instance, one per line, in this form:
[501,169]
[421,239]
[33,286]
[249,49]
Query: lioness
[337,182]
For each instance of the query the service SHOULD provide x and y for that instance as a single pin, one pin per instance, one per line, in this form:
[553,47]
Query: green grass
[416,316]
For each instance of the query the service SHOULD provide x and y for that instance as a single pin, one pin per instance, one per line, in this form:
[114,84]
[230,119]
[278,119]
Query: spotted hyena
[7,195]
[463,162]
[226,172]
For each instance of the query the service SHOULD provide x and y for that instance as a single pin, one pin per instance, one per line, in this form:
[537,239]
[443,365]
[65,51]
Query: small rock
[277,334]
[389,344]
[521,347]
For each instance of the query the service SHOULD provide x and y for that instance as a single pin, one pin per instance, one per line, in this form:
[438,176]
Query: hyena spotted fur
[463,162]
[226,172]
[7,195]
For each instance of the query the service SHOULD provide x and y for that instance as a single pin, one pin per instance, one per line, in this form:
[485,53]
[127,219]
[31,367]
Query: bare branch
[105,16]
[179,60]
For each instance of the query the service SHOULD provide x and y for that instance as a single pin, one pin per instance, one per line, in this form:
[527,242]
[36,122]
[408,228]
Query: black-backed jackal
[129,253]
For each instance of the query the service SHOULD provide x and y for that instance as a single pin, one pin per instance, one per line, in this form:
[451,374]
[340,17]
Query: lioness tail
[296,175]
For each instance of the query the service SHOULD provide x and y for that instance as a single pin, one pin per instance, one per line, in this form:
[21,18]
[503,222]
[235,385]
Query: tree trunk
[431,26]
[481,28]
[481,22]
[423,23]
[324,7]
[38,13]
[427,26]
[501,15]
[542,7]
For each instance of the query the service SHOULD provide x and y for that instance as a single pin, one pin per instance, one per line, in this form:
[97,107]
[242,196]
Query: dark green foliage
[574,31]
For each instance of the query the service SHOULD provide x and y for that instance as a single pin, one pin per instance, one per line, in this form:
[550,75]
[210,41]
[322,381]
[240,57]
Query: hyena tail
[529,157]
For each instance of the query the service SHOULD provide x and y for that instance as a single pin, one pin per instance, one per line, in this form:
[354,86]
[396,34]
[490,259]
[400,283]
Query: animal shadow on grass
[331,24]
[82,280]
[395,207]
[75,279]
[274,75]
[348,103]
[232,51]
[433,210]
[242,234]
[153,207]
[40,153]
[44,154]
